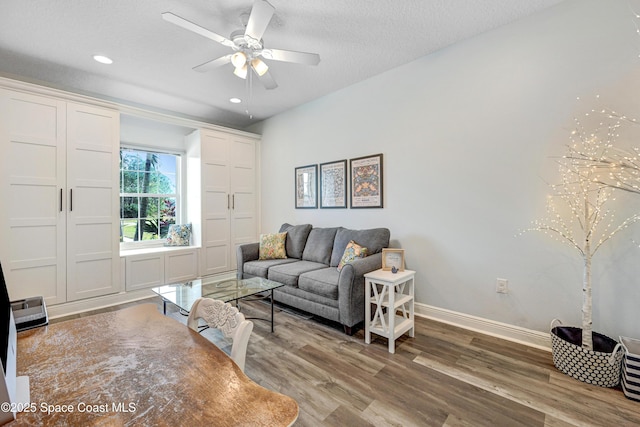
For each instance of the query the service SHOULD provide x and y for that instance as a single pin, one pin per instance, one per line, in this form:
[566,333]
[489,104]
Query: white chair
[226,318]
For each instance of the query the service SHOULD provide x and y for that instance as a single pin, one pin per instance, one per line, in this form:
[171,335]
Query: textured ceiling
[54,41]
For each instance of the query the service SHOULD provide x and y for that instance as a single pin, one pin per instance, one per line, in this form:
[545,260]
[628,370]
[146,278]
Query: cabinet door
[243,193]
[180,266]
[32,218]
[93,266]
[144,271]
[216,204]
[229,212]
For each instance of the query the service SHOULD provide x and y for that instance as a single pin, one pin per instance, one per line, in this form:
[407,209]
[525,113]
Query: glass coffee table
[184,294]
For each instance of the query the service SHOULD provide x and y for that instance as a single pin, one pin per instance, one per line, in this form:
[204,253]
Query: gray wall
[467,135]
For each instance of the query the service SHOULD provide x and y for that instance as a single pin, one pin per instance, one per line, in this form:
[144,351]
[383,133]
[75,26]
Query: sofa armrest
[351,288]
[244,253]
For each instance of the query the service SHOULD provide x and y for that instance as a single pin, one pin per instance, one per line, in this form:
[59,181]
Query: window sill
[155,250]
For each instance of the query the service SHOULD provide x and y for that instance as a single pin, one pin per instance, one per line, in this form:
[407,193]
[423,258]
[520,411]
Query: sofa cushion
[373,239]
[288,273]
[260,268]
[272,246]
[319,245]
[322,282]
[296,238]
[351,252]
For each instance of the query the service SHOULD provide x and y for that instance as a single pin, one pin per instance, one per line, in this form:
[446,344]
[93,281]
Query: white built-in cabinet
[146,269]
[222,195]
[59,187]
[59,228]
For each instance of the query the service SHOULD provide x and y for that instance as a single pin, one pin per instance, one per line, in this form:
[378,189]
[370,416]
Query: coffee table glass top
[184,294]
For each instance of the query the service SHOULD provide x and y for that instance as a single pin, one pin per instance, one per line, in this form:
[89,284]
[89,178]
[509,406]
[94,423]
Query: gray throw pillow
[319,245]
[296,238]
[373,239]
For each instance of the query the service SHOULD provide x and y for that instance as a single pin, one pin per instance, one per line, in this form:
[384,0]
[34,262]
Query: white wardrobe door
[32,218]
[93,204]
[216,204]
[244,220]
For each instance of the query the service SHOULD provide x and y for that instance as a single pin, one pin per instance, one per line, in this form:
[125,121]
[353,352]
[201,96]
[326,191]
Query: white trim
[155,249]
[529,337]
[76,307]
[153,148]
[14,82]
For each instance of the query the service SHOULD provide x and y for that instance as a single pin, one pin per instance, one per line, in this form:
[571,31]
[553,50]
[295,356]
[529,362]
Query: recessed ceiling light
[103,59]
[235,100]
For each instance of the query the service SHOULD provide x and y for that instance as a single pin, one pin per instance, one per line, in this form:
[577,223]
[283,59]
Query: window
[149,194]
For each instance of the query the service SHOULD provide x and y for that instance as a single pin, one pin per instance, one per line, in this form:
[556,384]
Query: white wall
[466,135]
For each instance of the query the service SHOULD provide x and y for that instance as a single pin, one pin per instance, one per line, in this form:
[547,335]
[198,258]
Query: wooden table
[138,367]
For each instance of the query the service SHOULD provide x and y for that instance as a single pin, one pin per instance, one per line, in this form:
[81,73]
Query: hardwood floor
[445,376]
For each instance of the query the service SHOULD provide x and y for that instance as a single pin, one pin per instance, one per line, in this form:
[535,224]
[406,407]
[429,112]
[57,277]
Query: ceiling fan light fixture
[259,66]
[241,71]
[248,48]
[239,59]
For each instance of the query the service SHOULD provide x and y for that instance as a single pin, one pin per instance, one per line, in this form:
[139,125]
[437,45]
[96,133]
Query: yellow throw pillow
[351,252]
[272,246]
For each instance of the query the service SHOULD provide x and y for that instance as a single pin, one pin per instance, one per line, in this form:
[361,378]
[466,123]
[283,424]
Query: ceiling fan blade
[260,17]
[214,63]
[267,80]
[291,56]
[188,25]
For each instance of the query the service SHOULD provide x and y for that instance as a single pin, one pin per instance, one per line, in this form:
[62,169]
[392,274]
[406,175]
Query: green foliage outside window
[148,194]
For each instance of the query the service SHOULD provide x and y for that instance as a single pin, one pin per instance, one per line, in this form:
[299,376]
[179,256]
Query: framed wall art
[366,182]
[392,258]
[333,184]
[307,187]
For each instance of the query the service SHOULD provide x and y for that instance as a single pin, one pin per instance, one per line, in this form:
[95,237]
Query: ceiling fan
[247,45]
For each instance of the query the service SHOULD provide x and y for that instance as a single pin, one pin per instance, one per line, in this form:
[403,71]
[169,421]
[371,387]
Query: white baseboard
[75,307]
[505,331]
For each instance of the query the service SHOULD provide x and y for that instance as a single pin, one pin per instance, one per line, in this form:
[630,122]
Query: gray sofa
[309,273]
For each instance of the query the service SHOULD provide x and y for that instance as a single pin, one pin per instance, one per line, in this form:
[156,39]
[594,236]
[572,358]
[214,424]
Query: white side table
[395,292]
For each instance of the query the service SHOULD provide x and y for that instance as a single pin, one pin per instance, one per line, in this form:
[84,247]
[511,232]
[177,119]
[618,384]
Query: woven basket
[600,366]
[631,368]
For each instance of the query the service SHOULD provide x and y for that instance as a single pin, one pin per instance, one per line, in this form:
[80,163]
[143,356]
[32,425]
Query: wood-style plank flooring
[445,376]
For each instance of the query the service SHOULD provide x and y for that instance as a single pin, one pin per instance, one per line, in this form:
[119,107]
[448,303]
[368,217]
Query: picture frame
[306,187]
[333,185]
[392,258]
[366,182]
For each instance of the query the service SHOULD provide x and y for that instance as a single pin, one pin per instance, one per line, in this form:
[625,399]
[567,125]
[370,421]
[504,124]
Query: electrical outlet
[502,286]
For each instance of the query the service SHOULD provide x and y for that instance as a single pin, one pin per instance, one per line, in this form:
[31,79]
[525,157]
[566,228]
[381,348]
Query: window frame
[179,196]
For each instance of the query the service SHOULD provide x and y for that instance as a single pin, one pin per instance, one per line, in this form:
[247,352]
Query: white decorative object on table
[395,292]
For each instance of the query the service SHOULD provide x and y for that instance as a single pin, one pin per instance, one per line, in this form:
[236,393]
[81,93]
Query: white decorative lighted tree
[578,212]
[619,168]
